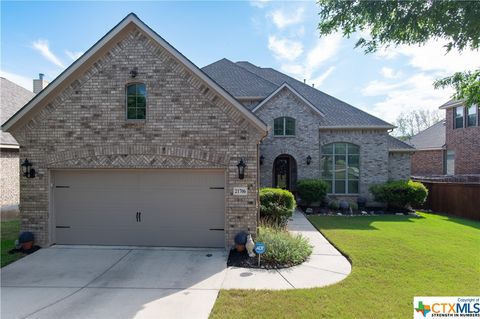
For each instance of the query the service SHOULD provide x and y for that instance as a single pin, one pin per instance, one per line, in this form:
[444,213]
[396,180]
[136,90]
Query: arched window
[284,126]
[136,100]
[340,164]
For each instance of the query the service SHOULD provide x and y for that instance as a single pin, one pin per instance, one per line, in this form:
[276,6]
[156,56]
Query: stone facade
[304,143]
[466,144]
[374,166]
[188,125]
[398,165]
[9,184]
[427,162]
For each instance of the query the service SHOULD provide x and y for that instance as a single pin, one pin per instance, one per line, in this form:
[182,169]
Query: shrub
[400,194]
[311,190]
[276,205]
[282,247]
[334,205]
[354,206]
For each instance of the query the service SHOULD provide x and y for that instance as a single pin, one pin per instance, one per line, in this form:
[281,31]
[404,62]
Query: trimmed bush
[334,205]
[282,248]
[311,190]
[276,205]
[354,206]
[400,194]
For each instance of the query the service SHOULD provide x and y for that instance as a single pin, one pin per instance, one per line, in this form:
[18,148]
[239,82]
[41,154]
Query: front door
[281,172]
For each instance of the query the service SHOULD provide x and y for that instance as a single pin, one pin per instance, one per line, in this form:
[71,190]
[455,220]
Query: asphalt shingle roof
[12,98]
[432,137]
[337,113]
[396,144]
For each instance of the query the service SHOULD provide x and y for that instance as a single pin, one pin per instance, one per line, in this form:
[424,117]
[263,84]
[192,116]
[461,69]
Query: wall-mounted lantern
[134,72]
[309,159]
[27,169]
[262,158]
[241,169]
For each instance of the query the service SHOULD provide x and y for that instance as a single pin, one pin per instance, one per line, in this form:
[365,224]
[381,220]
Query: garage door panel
[178,207]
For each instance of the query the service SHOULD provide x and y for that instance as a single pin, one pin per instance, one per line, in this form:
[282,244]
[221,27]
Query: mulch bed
[241,259]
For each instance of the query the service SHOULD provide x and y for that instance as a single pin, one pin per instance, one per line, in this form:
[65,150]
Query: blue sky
[46,37]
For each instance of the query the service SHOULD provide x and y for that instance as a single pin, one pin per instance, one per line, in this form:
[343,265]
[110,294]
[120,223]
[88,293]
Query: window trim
[126,101]
[284,118]
[346,180]
[455,117]
[476,116]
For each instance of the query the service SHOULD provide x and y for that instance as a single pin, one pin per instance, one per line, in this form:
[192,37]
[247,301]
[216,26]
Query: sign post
[259,249]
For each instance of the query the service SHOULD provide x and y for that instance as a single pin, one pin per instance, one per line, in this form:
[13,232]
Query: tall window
[472,117]
[340,165]
[284,126]
[458,117]
[136,101]
[450,162]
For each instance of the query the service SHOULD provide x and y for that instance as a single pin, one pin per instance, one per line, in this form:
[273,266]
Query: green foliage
[466,85]
[10,230]
[334,205]
[353,206]
[311,190]
[397,22]
[282,247]
[400,194]
[276,205]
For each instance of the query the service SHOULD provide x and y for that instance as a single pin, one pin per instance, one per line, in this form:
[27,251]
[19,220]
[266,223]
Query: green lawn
[394,258]
[9,233]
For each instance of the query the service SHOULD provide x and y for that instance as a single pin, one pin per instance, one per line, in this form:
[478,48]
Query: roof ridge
[258,75]
[442,121]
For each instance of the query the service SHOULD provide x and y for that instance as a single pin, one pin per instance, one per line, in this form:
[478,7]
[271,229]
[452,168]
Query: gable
[104,50]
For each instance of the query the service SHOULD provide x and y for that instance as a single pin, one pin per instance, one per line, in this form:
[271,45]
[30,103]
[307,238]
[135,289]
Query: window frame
[475,115]
[284,126]
[456,118]
[127,85]
[346,180]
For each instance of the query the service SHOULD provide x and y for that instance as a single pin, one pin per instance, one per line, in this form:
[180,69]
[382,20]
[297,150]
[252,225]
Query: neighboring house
[12,98]
[312,134]
[429,156]
[135,145]
[450,147]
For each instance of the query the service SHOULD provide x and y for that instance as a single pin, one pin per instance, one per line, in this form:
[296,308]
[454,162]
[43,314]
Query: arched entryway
[285,172]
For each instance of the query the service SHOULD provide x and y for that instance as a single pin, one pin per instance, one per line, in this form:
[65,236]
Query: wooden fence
[460,198]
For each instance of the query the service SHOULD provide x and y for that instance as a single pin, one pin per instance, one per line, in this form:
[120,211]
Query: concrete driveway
[113,282]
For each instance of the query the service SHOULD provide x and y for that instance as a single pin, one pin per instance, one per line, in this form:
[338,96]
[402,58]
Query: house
[451,146]
[12,98]
[134,145]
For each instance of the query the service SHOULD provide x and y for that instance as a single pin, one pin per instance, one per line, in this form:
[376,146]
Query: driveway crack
[79,289]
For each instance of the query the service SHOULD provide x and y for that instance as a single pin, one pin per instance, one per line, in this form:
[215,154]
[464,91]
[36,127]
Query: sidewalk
[325,266]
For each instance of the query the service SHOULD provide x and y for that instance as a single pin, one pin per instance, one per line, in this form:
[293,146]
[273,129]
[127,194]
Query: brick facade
[466,144]
[399,165]
[428,162]
[188,126]
[9,172]
[304,143]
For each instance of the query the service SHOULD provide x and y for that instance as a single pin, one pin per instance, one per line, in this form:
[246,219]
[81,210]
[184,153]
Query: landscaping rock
[339,214]
[363,213]
[309,211]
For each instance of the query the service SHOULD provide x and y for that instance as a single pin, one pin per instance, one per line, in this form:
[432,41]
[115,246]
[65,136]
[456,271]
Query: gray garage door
[140,207]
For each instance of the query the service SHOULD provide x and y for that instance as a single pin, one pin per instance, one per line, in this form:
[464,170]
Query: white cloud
[21,80]
[73,54]
[42,46]
[390,73]
[414,93]
[284,48]
[324,50]
[284,19]
[259,3]
[319,80]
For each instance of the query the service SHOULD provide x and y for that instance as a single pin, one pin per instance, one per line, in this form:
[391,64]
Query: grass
[394,258]
[9,233]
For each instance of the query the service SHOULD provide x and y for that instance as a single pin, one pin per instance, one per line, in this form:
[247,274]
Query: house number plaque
[240,191]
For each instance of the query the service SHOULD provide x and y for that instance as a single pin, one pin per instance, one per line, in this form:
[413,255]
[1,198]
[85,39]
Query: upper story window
[472,115]
[340,164]
[284,126]
[458,113]
[136,101]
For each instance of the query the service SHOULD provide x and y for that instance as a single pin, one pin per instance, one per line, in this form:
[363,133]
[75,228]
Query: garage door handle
[218,229]
[140,216]
[137,218]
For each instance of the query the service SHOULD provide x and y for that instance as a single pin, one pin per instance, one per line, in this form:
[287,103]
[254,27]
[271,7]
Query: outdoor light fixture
[241,169]
[134,72]
[27,169]
[262,158]
[309,159]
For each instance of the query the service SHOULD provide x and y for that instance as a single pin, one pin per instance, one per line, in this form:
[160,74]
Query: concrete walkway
[325,266]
